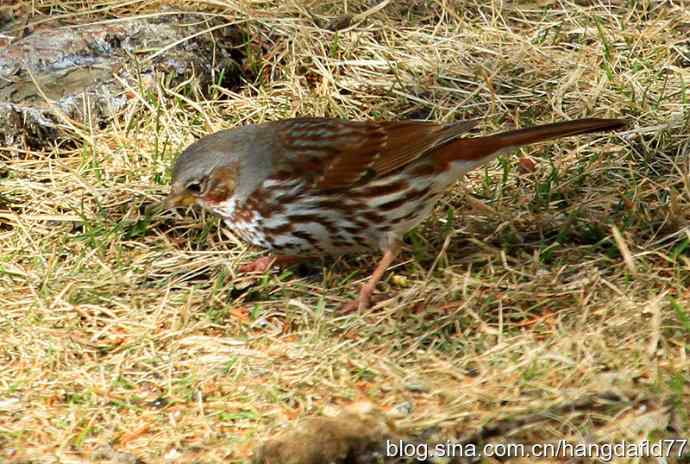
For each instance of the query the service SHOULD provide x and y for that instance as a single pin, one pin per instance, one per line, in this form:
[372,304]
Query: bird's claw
[359,304]
[259,265]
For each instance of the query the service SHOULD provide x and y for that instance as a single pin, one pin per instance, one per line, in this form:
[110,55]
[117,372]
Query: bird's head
[207,172]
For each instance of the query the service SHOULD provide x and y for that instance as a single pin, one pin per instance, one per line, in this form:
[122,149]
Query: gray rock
[75,68]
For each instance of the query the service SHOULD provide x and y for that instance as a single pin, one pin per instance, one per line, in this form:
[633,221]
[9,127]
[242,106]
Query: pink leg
[265,263]
[364,299]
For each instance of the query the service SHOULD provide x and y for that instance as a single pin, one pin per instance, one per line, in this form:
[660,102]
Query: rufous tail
[472,149]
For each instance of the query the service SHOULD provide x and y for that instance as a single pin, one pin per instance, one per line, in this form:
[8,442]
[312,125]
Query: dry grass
[524,290]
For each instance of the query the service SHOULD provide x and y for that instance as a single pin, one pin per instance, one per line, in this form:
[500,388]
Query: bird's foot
[265,263]
[363,302]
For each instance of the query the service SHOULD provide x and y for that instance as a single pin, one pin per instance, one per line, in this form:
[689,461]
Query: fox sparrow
[312,186]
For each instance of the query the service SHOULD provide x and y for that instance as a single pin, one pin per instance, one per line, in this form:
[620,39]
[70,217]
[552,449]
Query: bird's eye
[194,187]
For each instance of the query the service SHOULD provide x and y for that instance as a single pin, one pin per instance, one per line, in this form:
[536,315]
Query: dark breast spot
[306,236]
[373,217]
[279,230]
[352,229]
[360,240]
[270,202]
[393,204]
[414,214]
[385,189]
[283,175]
[242,215]
[327,224]
[341,243]
[336,204]
[408,196]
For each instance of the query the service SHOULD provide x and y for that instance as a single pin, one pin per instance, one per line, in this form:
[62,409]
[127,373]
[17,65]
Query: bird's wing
[336,153]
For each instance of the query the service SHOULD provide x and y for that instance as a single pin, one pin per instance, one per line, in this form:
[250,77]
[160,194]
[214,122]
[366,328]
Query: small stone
[417,387]
[401,410]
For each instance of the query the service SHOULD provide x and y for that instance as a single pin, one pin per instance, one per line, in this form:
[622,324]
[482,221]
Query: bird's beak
[177,199]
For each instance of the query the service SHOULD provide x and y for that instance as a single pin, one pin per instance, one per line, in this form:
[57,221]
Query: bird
[307,187]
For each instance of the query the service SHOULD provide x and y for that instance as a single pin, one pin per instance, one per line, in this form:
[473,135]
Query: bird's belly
[309,228]
[371,216]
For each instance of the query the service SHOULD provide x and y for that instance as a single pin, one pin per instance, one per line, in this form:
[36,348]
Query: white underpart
[457,170]
[439,184]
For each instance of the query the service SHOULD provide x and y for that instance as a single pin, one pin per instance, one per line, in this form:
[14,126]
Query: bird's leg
[265,263]
[364,299]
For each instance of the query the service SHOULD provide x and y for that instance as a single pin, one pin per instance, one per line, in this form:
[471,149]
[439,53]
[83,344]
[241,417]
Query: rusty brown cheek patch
[222,184]
[217,194]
